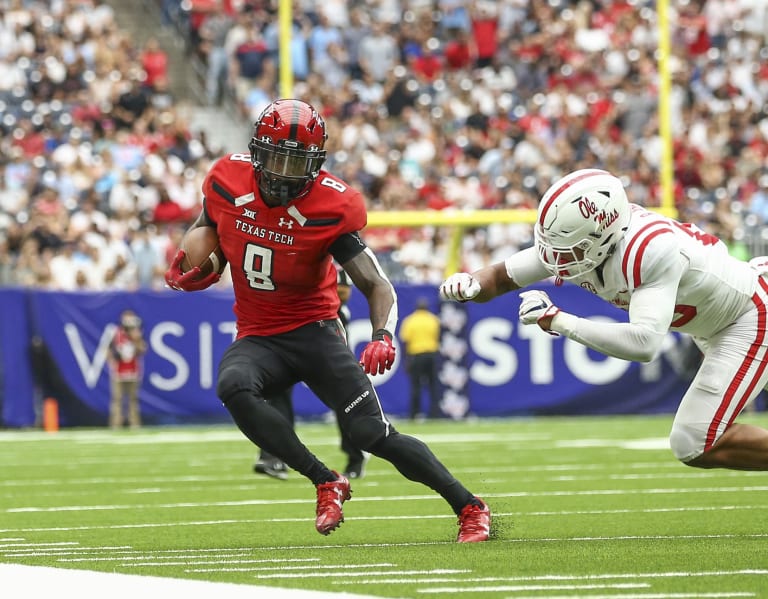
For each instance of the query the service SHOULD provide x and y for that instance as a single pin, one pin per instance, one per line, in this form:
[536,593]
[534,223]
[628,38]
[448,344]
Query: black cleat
[356,467]
[271,467]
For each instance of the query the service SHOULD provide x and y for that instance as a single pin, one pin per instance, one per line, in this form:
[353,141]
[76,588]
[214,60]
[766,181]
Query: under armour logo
[285,222]
[249,213]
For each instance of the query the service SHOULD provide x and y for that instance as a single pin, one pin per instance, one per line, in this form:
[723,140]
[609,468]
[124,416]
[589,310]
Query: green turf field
[583,507]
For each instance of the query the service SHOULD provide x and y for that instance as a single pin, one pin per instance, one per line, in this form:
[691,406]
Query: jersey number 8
[257,264]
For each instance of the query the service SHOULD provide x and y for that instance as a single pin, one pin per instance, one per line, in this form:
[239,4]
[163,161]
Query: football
[201,248]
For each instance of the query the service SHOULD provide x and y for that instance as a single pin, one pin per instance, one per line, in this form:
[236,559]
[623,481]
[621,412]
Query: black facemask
[276,191]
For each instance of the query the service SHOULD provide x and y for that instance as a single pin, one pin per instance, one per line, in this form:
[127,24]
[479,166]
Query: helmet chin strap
[280,192]
[275,193]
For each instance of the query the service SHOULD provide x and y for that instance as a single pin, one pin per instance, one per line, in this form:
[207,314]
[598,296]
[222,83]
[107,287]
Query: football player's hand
[537,308]
[459,287]
[188,281]
[379,354]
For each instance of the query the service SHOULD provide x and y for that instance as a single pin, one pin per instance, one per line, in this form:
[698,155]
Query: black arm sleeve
[347,247]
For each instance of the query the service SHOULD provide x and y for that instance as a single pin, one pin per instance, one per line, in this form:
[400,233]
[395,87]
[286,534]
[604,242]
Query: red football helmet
[287,150]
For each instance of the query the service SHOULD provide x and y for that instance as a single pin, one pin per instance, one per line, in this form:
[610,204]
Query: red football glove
[187,281]
[379,354]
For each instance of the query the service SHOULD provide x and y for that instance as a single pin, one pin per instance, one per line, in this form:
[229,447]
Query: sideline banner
[492,365]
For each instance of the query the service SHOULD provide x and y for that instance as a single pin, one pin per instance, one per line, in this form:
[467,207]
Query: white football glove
[459,287]
[536,305]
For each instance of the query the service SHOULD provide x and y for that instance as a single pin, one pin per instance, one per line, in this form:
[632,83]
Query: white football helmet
[581,218]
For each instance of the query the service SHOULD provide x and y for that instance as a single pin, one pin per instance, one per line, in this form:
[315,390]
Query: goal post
[458,221]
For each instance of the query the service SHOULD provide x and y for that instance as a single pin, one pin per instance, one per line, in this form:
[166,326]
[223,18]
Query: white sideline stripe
[640,596]
[619,596]
[534,587]
[141,525]
[172,484]
[526,540]
[67,544]
[705,508]
[358,500]
[159,560]
[653,443]
[343,572]
[246,561]
[128,552]
[234,435]
[111,480]
[38,581]
[556,577]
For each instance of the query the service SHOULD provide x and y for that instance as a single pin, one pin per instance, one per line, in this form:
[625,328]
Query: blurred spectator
[485,25]
[757,201]
[131,105]
[301,29]
[213,33]
[454,104]
[6,263]
[354,33]
[378,53]
[154,61]
[149,261]
[167,211]
[199,10]
[323,35]
[428,65]
[125,367]
[420,334]
[252,65]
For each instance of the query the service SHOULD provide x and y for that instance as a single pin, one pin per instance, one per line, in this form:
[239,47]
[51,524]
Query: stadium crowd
[431,105]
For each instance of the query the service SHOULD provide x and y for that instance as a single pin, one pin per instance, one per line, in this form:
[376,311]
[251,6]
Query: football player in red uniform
[283,401]
[281,221]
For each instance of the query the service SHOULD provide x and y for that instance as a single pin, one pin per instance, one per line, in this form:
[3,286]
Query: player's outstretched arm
[480,286]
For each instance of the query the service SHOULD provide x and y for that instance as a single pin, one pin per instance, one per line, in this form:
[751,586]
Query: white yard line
[384,498]
[555,578]
[463,590]
[37,581]
[531,587]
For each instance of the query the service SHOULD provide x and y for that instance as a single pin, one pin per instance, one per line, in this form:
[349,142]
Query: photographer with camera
[125,369]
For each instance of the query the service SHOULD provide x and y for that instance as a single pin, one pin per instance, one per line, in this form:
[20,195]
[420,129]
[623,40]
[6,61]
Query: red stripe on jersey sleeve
[633,241]
[640,252]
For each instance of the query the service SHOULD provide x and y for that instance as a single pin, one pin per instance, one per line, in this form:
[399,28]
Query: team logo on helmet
[581,219]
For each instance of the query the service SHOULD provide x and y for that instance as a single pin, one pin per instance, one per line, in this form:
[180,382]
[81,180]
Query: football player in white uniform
[668,276]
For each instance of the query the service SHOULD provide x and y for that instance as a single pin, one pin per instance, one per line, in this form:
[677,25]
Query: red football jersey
[282,271]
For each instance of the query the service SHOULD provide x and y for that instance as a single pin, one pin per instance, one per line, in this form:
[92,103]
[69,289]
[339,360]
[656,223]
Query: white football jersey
[672,275]
[714,289]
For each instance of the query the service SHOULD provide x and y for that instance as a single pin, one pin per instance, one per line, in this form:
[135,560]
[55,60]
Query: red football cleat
[330,496]
[474,523]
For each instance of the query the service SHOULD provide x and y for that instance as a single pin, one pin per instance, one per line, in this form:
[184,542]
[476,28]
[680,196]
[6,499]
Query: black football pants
[317,354]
